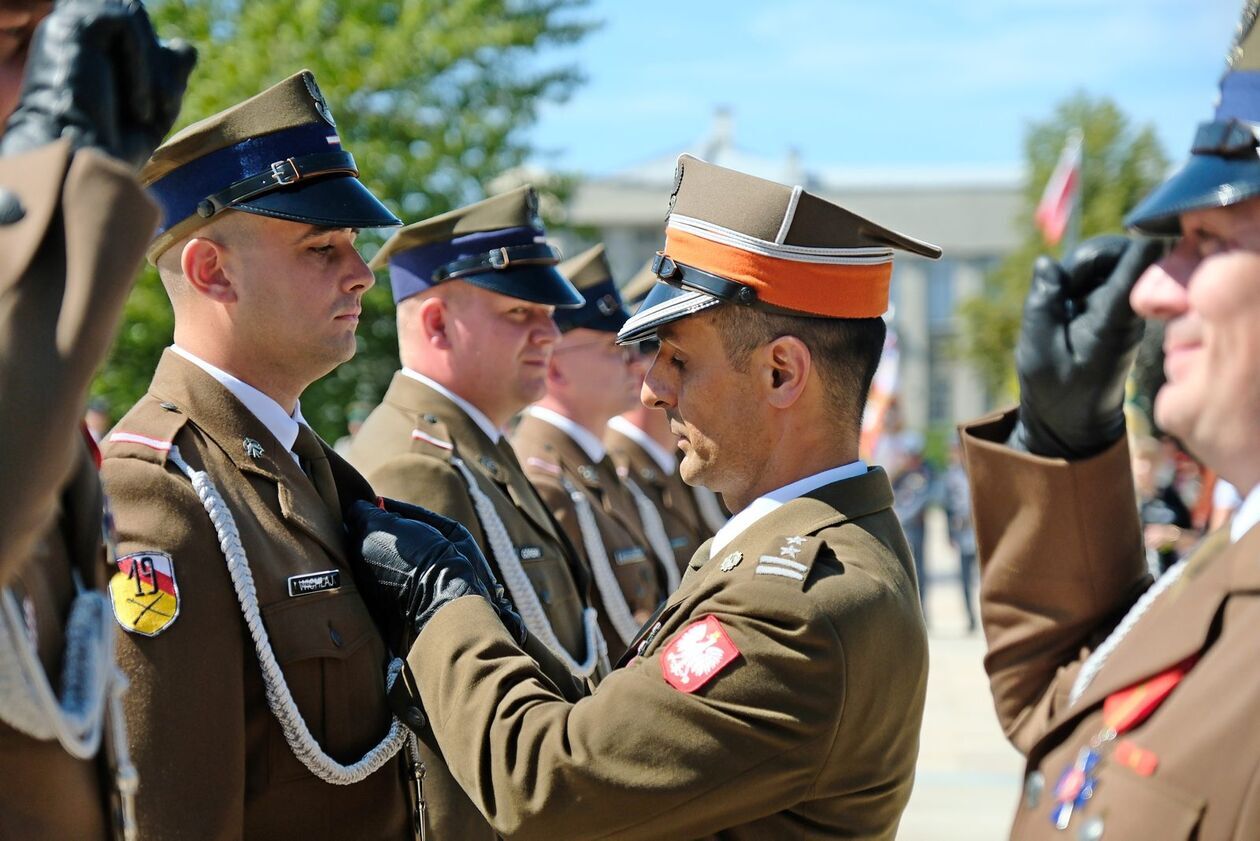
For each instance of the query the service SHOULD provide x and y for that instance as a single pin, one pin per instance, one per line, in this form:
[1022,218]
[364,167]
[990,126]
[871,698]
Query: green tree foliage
[431,96]
[1120,165]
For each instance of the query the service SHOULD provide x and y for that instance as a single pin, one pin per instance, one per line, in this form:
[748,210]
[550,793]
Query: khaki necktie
[314,463]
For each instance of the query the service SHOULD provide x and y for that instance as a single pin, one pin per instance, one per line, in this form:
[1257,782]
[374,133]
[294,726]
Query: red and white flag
[1062,192]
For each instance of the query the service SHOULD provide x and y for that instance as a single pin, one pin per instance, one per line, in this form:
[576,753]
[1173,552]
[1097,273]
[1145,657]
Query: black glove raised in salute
[414,563]
[98,76]
[1076,343]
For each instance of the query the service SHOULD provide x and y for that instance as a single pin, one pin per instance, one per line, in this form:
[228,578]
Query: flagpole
[1072,236]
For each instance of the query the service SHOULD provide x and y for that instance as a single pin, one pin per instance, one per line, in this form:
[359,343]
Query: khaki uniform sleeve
[184,706]
[434,484]
[638,758]
[65,269]
[430,483]
[1061,561]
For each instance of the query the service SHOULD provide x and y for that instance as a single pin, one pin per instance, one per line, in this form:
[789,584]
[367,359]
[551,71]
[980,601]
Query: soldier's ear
[433,316]
[783,370]
[203,262]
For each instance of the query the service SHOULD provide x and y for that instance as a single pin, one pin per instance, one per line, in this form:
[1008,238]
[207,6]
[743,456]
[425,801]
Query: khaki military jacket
[1062,561]
[213,761]
[65,269]
[778,694]
[668,492]
[406,449]
[557,466]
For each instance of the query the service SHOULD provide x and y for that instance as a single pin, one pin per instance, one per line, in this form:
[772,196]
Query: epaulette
[430,437]
[786,559]
[147,432]
[549,465]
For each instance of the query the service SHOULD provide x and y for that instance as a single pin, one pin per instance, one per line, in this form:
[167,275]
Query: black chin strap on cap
[498,259]
[1226,138]
[689,277]
[281,174]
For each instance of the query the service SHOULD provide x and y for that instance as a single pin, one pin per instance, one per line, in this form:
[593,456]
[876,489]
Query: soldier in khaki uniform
[475,337]
[73,227]
[1134,703]
[712,514]
[257,702]
[559,442]
[644,449]
[778,693]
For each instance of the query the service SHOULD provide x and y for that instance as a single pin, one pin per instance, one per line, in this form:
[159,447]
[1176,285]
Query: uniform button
[335,636]
[169,406]
[430,418]
[1033,787]
[11,209]
[1091,830]
[414,718]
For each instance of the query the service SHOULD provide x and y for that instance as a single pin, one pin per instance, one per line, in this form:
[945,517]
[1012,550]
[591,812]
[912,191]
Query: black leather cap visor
[333,201]
[1223,169]
[536,284]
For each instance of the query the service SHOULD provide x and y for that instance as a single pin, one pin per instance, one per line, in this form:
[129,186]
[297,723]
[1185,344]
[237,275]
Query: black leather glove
[98,75]
[1076,343]
[414,563]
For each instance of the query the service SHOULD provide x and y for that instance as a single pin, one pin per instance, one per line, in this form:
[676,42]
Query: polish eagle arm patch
[697,655]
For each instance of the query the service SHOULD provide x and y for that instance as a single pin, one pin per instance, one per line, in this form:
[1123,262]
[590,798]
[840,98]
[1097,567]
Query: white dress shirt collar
[763,505]
[1247,515]
[282,425]
[479,417]
[587,440]
[663,457]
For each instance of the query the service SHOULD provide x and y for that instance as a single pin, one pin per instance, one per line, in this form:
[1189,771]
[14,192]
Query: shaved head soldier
[258,678]
[1134,702]
[475,289]
[86,97]
[778,693]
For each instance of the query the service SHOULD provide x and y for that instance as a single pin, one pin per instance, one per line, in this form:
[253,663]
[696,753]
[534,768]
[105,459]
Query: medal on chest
[1122,711]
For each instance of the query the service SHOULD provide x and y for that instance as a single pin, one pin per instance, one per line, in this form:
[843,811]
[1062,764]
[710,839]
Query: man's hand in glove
[97,75]
[1075,347]
[416,562]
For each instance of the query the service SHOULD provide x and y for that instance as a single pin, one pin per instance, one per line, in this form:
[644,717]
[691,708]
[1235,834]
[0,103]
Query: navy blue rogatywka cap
[497,244]
[276,154]
[603,310]
[1224,164]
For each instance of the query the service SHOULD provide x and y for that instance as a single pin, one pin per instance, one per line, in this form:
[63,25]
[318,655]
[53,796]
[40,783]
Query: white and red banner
[1062,193]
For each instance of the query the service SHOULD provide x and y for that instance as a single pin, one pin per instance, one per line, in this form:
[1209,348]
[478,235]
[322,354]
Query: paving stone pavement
[968,776]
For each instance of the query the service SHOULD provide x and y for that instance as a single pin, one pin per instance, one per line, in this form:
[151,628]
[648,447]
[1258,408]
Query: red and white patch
[417,435]
[697,654]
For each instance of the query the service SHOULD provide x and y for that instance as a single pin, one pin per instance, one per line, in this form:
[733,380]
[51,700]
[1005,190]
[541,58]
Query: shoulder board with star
[147,432]
[430,437]
[786,559]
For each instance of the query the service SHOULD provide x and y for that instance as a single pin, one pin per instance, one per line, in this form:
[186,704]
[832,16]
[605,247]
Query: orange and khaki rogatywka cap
[744,240]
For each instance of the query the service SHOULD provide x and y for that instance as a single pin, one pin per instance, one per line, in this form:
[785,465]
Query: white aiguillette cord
[279,697]
[92,690]
[1096,660]
[523,595]
[610,594]
[656,534]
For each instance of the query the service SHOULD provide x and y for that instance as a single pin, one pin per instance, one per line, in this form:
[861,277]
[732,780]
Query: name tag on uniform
[633,555]
[531,553]
[314,582]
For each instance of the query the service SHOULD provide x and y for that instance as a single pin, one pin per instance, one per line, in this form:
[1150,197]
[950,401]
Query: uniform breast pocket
[334,663]
[1126,805]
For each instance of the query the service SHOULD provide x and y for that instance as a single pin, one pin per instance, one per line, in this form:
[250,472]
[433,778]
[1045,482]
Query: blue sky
[878,84]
